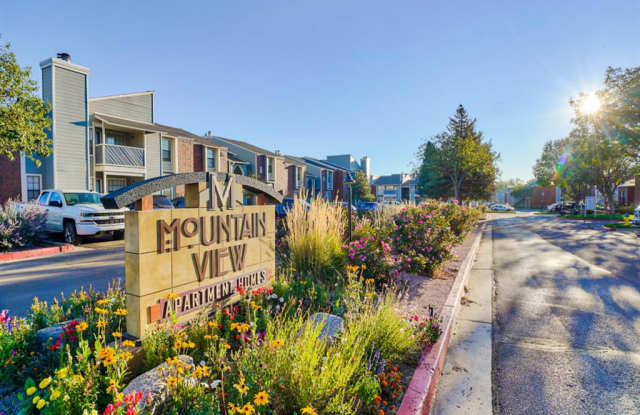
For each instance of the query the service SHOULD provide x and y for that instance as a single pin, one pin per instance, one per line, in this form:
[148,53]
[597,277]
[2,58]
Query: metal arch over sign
[178,262]
[125,196]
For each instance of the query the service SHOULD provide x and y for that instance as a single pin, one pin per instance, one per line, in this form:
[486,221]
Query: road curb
[31,253]
[419,395]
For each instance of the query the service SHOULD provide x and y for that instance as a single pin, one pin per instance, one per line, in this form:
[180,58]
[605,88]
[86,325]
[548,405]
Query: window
[298,176]
[270,162]
[116,137]
[211,159]
[99,185]
[166,149]
[43,198]
[98,136]
[115,184]
[82,198]
[55,197]
[329,180]
[33,186]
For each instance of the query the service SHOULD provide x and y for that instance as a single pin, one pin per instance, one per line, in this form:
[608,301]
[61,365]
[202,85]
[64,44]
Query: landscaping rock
[332,325]
[152,382]
[50,334]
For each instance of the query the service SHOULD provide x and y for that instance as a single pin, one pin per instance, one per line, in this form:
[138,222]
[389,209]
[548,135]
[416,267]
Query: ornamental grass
[314,236]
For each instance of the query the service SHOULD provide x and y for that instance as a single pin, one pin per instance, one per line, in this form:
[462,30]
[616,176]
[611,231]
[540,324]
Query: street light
[349,180]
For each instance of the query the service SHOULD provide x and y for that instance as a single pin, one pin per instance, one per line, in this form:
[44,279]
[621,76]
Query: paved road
[95,264]
[566,324]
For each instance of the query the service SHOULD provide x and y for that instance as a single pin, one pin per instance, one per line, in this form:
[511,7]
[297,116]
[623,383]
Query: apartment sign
[181,261]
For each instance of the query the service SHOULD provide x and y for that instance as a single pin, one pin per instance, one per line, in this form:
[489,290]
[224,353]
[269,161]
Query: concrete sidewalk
[465,383]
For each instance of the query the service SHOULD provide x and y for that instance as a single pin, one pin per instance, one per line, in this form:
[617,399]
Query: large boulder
[48,335]
[332,325]
[153,382]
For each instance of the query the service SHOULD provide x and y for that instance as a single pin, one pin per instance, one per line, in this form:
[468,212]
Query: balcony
[120,159]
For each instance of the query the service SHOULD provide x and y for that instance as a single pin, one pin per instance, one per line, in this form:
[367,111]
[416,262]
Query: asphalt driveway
[95,264]
[566,318]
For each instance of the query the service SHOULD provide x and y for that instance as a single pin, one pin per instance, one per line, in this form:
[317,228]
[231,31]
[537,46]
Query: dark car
[287,204]
[367,206]
[159,202]
[178,202]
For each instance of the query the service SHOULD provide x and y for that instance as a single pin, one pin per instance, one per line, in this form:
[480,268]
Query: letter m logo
[220,199]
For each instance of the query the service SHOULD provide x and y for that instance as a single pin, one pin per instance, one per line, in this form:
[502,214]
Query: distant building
[394,188]
[349,163]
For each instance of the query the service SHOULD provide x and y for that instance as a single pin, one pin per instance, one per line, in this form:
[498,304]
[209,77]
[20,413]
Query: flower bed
[261,355]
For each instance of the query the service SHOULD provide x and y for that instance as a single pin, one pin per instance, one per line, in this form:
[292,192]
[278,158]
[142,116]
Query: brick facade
[10,180]
[542,196]
[198,157]
[338,185]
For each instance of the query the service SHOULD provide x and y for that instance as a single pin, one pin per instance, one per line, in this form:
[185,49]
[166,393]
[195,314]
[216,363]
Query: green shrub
[423,238]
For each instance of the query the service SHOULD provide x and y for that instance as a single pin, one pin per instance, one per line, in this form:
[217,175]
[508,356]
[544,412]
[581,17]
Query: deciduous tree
[23,115]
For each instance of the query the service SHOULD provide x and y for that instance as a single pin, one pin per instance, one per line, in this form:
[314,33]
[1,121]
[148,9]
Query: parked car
[367,206]
[287,204]
[78,213]
[570,208]
[636,216]
[178,202]
[159,202]
[346,206]
[501,208]
[552,207]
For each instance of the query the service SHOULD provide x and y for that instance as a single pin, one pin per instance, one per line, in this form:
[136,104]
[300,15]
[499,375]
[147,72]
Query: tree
[361,189]
[23,115]
[603,162]
[430,182]
[460,158]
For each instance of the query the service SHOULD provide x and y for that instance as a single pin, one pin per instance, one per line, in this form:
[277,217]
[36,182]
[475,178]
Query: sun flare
[590,105]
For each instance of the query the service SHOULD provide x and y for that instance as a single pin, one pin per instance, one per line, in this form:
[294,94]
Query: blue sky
[363,77]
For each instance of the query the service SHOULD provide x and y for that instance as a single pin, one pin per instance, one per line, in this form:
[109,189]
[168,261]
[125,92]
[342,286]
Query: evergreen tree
[361,188]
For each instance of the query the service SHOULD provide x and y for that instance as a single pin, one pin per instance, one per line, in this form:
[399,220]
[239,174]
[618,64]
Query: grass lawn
[600,216]
[619,225]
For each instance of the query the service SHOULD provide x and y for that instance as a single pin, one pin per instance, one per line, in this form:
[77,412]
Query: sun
[590,105]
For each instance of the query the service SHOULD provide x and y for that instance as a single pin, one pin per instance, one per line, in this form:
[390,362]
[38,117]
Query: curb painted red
[30,253]
[419,395]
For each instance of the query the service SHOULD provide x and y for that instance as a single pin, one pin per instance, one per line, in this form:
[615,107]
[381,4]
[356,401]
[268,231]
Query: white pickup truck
[79,213]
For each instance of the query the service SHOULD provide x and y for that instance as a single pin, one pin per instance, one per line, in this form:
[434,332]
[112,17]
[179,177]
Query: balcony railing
[117,155]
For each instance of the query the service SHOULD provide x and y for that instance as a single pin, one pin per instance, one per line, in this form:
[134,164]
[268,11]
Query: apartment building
[250,160]
[104,143]
[394,188]
[326,179]
[348,162]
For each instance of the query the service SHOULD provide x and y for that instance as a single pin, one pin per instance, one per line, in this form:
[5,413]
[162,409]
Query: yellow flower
[101,324]
[248,409]
[116,334]
[212,324]
[172,381]
[62,373]
[108,361]
[103,301]
[241,387]
[308,411]
[41,403]
[261,398]
[105,352]
[278,343]
[113,386]
[45,382]
[173,360]
[127,356]
[128,343]
[191,345]
[369,281]
[54,395]
[35,399]
[120,312]
[207,337]
[101,310]
[31,390]
[364,267]
[82,326]
[227,346]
